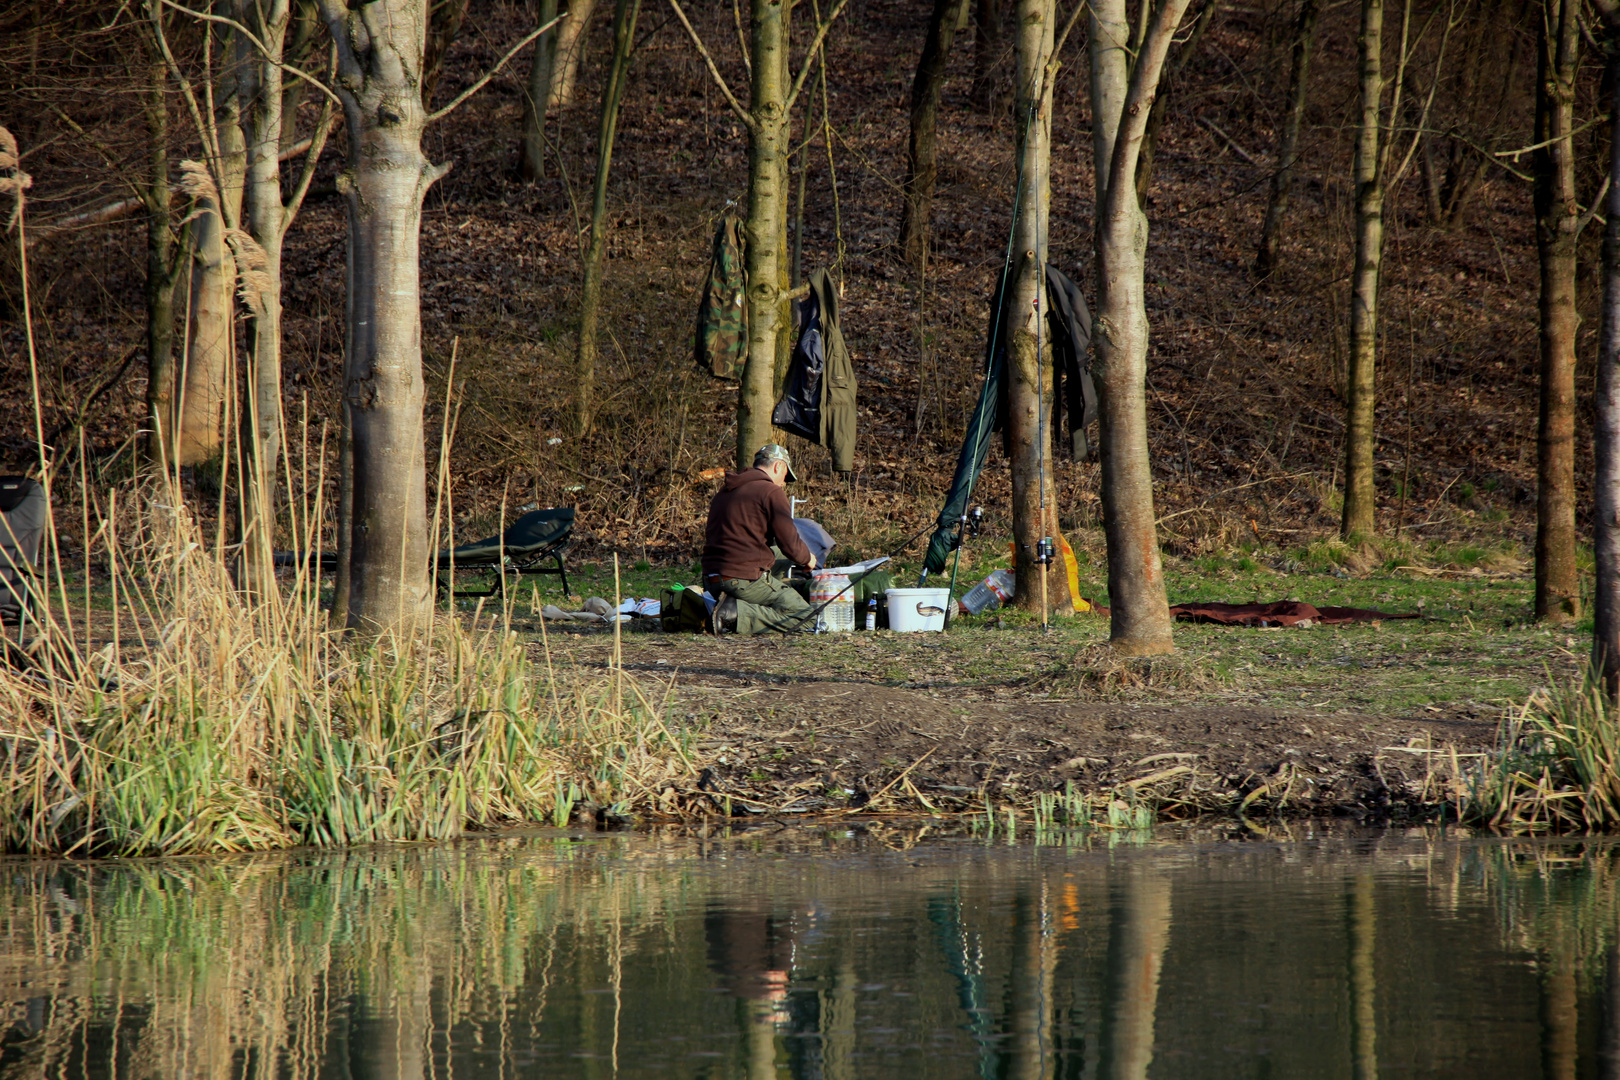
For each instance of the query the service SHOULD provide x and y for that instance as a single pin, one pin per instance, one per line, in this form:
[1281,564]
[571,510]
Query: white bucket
[911,610]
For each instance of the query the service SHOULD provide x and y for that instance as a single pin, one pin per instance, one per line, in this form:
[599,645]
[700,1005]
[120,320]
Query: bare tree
[989,51]
[1282,180]
[164,261]
[1029,368]
[263,95]
[536,95]
[771,101]
[380,48]
[1606,422]
[1360,392]
[1558,227]
[922,152]
[571,37]
[1376,173]
[624,33]
[1123,84]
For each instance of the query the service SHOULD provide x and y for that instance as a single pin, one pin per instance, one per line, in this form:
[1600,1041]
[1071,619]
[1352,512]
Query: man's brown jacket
[747,515]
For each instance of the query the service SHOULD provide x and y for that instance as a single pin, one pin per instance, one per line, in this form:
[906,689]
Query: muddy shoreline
[778,741]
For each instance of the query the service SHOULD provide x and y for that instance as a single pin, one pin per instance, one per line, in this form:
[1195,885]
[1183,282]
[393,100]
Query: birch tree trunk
[1029,353]
[590,301]
[536,96]
[922,152]
[767,212]
[1122,91]
[1282,181]
[1606,422]
[1558,595]
[162,274]
[1360,387]
[209,355]
[379,49]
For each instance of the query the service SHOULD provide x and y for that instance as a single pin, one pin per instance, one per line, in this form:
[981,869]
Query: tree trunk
[1360,389]
[922,152]
[1606,422]
[207,380]
[380,48]
[1558,597]
[767,208]
[1029,354]
[1282,181]
[162,275]
[570,48]
[989,52]
[590,301]
[1362,930]
[1121,94]
[537,92]
[1139,933]
[266,220]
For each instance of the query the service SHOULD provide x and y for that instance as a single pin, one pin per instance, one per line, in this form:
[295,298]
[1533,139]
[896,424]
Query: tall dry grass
[191,718]
[1556,766]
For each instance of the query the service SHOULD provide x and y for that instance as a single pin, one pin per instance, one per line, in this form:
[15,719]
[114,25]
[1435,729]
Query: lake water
[837,954]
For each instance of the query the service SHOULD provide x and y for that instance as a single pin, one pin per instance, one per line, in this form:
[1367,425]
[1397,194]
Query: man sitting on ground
[749,513]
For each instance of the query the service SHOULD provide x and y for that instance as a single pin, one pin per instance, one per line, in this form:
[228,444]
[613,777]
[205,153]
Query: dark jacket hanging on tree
[722,323]
[1069,327]
[818,396]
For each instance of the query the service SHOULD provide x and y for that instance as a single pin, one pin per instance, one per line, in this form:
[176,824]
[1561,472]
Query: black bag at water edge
[683,611]
[22,527]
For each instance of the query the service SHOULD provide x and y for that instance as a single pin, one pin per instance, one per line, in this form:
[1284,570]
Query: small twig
[885,789]
[1229,141]
[488,75]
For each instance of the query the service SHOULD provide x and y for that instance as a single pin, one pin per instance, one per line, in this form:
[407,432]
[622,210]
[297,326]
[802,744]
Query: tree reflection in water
[839,954]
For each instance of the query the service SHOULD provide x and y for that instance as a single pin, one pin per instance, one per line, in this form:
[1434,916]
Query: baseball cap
[772,452]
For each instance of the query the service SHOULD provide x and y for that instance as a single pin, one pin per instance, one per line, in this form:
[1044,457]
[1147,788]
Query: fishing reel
[971,524]
[1045,551]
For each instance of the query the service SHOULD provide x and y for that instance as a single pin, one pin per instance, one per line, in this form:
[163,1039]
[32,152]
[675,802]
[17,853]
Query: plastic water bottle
[990,593]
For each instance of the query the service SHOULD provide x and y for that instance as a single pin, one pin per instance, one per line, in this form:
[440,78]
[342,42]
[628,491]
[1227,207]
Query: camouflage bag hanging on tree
[722,326]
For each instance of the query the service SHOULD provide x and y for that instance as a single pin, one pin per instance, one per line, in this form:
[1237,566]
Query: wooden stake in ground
[1123,84]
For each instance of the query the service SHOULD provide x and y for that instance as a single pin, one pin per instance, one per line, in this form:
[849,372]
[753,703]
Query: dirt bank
[791,727]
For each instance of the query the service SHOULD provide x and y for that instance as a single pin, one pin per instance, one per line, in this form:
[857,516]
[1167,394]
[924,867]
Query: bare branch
[317,143]
[742,38]
[1057,48]
[815,46]
[719,79]
[257,44]
[491,73]
[1139,101]
[1592,212]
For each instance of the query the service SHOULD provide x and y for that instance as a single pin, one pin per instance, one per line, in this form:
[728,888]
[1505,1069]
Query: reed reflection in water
[835,954]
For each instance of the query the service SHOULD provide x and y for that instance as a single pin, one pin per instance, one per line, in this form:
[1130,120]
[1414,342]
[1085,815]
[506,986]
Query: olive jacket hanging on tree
[818,396]
[722,323]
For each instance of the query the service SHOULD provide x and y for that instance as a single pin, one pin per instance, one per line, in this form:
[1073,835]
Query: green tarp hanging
[1069,327]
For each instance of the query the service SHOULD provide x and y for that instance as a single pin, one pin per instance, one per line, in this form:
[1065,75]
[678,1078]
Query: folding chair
[537,537]
[22,527]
